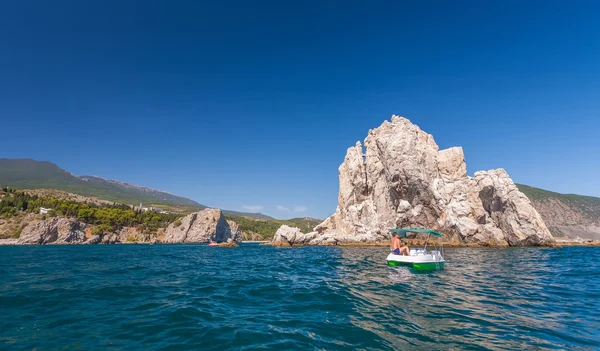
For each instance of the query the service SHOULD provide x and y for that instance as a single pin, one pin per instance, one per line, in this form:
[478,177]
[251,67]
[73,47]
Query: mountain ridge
[26,173]
[569,215]
[33,174]
[121,183]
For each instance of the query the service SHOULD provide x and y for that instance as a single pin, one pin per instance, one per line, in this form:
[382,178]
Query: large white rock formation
[402,179]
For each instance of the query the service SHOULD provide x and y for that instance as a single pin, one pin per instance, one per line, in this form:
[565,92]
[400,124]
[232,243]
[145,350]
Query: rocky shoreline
[208,225]
[450,244]
[292,237]
[15,242]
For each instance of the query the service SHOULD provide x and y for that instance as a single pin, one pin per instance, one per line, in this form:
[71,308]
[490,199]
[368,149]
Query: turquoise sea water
[192,297]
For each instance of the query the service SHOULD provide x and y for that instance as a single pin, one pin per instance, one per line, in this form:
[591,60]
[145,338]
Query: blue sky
[251,105]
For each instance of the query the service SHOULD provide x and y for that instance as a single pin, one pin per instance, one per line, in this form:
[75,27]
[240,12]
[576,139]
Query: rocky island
[400,178]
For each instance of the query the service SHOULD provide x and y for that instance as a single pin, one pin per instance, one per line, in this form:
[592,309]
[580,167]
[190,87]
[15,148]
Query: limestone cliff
[61,230]
[198,227]
[236,234]
[53,231]
[402,179]
[201,227]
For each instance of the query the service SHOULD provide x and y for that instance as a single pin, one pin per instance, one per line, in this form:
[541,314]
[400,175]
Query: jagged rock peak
[402,179]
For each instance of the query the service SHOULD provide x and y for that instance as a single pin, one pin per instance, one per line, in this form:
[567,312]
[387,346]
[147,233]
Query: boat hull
[422,266]
[419,263]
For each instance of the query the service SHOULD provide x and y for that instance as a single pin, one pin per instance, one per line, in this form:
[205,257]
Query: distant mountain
[566,214]
[31,174]
[153,196]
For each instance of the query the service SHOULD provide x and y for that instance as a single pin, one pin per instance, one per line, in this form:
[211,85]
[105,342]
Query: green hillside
[587,204]
[541,194]
[247,214]
[574,216]
[304,223]
[30,174]
[266,228]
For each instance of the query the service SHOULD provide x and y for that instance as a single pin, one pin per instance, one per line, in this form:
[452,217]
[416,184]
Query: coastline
[556,244]
[576,243]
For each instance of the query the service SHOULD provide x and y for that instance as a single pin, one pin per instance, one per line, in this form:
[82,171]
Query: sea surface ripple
[191,297]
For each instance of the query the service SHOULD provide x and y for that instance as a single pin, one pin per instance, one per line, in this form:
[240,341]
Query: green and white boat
[420,259]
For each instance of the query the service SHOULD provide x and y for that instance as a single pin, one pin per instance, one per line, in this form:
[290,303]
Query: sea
[195,297]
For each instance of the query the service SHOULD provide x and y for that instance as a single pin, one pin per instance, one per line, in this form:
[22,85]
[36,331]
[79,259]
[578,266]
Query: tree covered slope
[566,214]
[31,174]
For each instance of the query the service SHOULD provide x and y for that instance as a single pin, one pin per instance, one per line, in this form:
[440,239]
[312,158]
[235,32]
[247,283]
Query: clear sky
[251,105]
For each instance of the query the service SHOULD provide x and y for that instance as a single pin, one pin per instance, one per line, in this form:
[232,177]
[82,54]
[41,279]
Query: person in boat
[404,250]
[395,244]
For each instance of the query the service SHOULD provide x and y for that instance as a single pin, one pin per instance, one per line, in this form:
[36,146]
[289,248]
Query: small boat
[419,259]
[213,244]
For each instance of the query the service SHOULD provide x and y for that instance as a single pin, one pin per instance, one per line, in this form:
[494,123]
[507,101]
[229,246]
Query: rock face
[94,239]
[53,231]
[201,227]
[110,239]
[62,231]
[236,234]
[402,179]
[133,235]
[290,236]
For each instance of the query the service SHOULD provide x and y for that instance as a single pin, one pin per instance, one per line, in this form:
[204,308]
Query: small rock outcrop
[53,231]
[229,243]
[94,239]
[110,239]
[290,236]
[200,227]
[402,179]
